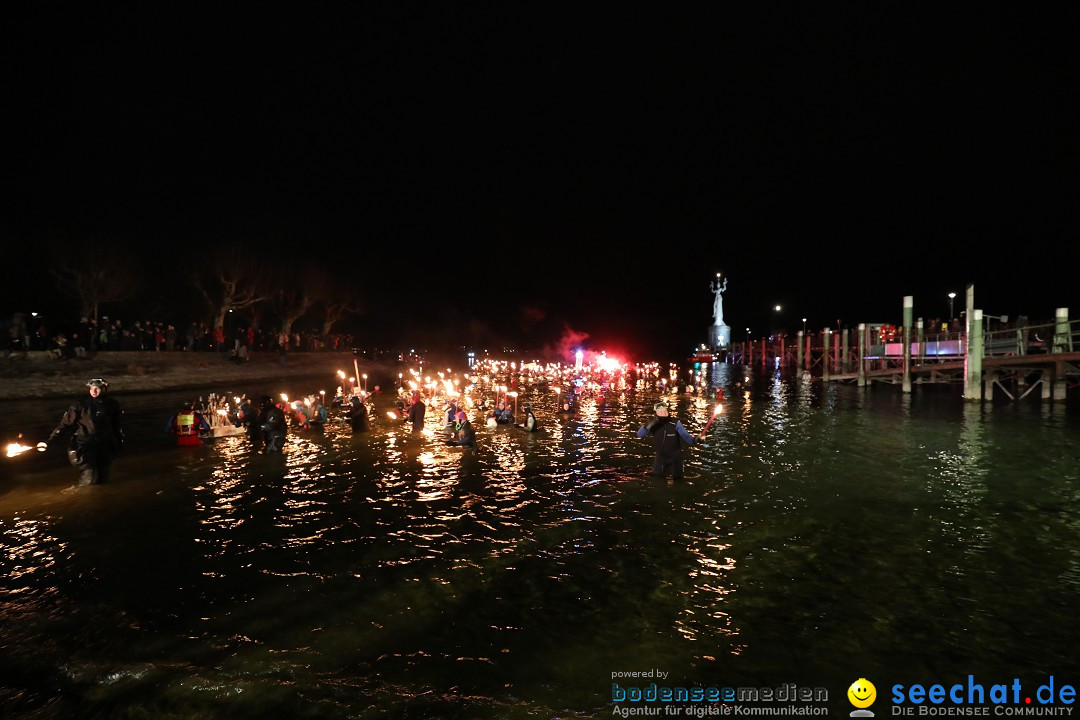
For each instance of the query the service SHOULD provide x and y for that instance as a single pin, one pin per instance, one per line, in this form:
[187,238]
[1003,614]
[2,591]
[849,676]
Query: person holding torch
[668,435]
[96,434]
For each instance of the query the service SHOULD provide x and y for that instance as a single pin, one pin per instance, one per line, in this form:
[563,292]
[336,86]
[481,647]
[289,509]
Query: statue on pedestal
[719,333]
[718,301]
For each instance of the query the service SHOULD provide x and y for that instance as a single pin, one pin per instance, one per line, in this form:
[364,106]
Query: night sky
[517,175]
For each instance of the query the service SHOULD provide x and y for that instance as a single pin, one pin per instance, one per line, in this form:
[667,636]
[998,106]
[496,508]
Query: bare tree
[337,308]
[294,295]
[336,297]
[233,279]
[95,271]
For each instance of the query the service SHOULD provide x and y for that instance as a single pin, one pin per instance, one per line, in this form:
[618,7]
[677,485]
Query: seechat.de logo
[862,694]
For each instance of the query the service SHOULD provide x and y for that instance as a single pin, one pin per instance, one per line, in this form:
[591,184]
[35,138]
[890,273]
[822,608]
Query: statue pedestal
[720,337]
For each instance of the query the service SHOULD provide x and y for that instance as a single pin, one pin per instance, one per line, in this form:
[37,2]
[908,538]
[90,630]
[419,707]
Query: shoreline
[37,375]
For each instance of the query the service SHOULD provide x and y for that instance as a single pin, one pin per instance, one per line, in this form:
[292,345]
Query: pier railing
[1010,352]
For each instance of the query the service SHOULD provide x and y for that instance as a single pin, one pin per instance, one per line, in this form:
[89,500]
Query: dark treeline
[108,294]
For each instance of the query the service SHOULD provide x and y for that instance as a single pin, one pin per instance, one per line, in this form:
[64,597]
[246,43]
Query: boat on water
[222,431]
[704,354]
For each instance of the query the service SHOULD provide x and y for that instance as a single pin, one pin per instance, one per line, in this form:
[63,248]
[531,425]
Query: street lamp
[804,326]
[777,308]
[951,296]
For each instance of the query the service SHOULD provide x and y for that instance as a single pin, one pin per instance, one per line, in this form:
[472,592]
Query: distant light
[608,363]
[777,308]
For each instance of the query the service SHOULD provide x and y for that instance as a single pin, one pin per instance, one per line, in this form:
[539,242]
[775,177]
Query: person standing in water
[187,424]
[668,435]
[96,433]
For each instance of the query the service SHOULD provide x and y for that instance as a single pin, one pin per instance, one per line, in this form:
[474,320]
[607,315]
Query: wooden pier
[1013,359]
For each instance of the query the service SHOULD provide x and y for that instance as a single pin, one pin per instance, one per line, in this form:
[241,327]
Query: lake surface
[822,534]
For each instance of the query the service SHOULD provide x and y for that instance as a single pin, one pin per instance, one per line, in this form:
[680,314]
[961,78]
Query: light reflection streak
[28,550]
[412,532]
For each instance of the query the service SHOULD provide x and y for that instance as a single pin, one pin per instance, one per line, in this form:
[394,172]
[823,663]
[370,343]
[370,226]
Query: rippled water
[822,534]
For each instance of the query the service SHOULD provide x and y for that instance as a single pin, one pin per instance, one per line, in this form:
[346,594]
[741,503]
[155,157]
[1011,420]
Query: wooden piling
[862,355]
[974,357]
[1062,337]
[988,384]
[836,351]
[827,334]
[1062,344]
[919,345]
[909,304]
[845,366]
[972,376]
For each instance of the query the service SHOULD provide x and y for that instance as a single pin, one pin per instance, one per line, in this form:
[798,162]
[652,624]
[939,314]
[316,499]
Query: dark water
[822,534]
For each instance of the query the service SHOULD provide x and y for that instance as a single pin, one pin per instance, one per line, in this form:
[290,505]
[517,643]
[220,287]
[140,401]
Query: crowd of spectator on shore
[28,332]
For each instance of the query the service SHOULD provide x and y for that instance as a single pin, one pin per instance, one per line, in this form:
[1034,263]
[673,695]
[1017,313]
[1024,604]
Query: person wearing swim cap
[452,410]
[96,433]
[668,435]
[502,414]
[530,424]
[463,433]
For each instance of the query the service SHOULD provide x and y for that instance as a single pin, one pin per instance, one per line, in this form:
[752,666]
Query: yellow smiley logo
[862,693]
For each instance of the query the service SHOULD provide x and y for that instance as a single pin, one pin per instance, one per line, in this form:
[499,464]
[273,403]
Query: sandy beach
[38,375]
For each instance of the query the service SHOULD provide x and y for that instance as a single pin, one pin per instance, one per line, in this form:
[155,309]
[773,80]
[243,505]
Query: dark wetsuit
[416,414]
[274,428]
[358,415]
[668,438]
[464,435]
[96,438]
[250,417]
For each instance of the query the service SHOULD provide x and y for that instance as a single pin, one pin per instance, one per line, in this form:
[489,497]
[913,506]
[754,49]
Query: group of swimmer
[94,423]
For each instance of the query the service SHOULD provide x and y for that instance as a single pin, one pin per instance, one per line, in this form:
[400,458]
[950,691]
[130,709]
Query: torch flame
[14,449]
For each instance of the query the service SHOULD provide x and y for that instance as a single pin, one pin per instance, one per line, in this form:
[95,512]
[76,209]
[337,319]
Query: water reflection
[385,569]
